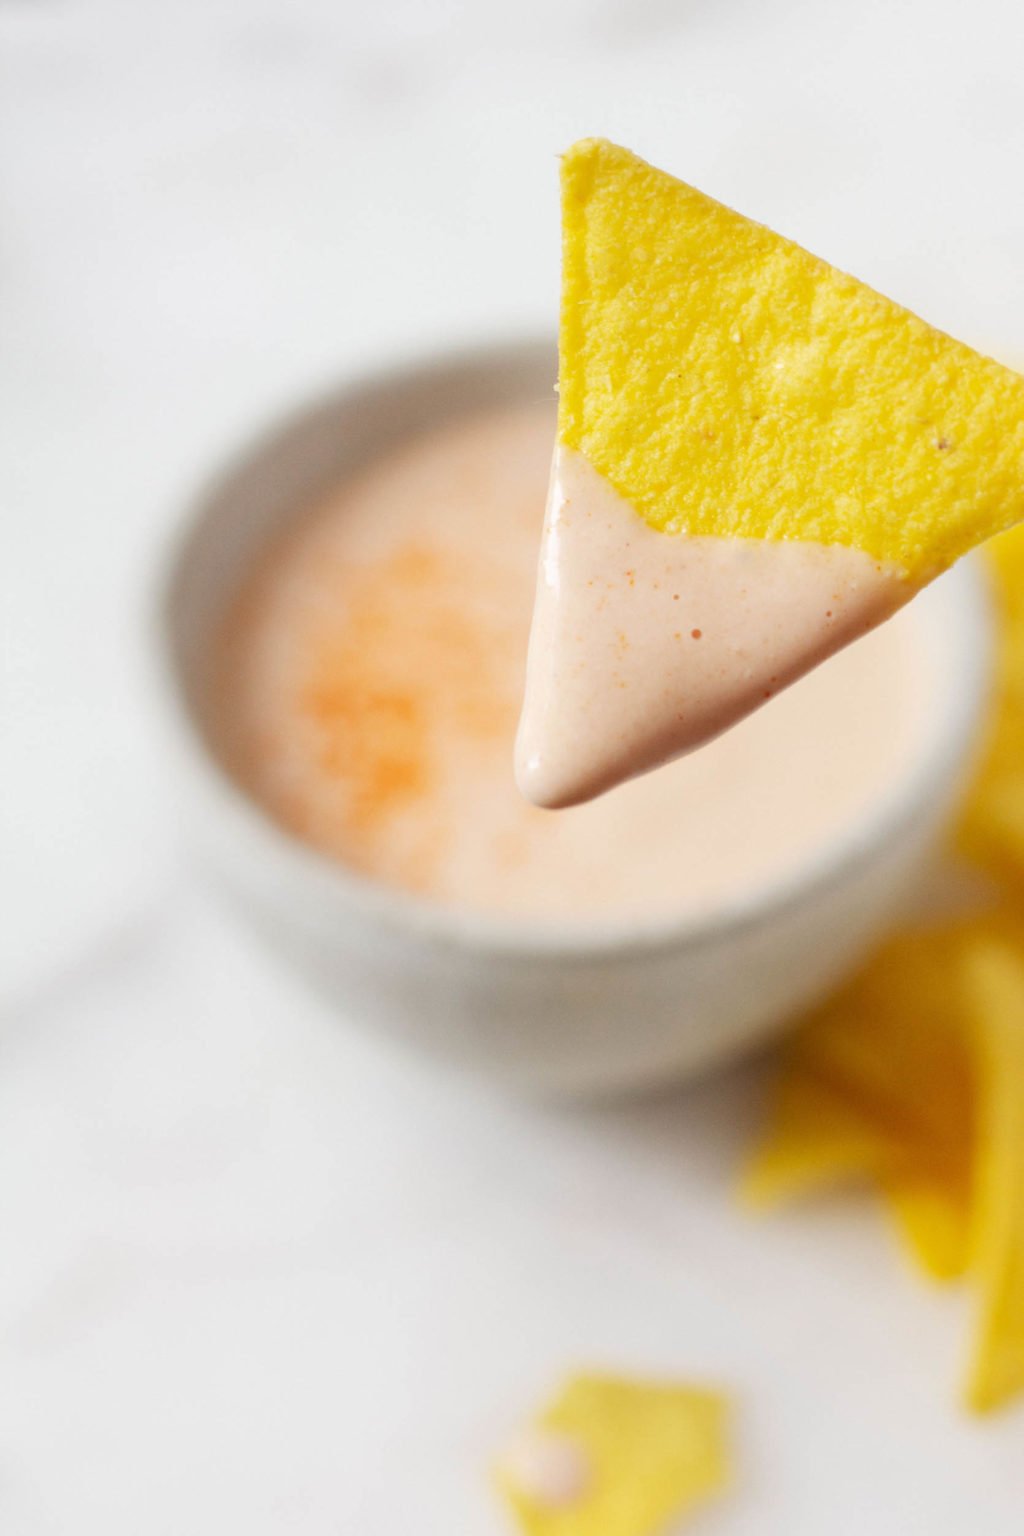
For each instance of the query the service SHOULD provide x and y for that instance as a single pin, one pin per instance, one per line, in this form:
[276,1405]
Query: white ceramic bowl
[580,1008]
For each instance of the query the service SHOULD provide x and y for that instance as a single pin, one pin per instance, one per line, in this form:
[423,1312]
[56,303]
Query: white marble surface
[257,1274]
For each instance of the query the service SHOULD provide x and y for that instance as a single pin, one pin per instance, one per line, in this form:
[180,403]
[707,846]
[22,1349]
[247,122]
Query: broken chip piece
[612,1456]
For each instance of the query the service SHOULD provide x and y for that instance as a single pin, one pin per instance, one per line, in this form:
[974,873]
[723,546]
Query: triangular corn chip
[728,383]
[758,459]
[878,1084]
[996,973]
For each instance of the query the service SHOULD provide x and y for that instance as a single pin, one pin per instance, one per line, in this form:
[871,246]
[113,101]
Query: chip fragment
[726,382]
[613,1456]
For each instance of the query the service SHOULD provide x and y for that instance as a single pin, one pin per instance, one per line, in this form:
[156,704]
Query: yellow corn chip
[815,1139]
[878,1084]
[617,1457]
[996,973]
[932,1209]
[992,828]
[726,382]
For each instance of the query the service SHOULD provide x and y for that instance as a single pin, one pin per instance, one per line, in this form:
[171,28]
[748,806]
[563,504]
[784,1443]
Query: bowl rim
[948,738]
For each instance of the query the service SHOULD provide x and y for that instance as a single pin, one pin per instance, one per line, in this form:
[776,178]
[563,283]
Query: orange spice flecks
[407,666]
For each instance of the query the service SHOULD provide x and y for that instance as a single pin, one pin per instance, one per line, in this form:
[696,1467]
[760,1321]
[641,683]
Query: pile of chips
[912,1077]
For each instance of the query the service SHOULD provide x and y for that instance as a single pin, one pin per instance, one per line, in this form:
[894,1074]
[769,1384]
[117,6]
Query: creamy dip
[366,685]
[646,645]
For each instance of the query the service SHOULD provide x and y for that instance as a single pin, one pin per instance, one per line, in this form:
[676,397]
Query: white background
[256,1274]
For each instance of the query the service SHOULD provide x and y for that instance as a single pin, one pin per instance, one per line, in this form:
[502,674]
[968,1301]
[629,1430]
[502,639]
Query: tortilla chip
[726,382]
[992,822]
[932,1210]
[647,1453]
[996,975]
[878,1085]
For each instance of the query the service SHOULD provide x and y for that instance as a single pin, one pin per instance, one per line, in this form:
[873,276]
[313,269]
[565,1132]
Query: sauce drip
[616,683]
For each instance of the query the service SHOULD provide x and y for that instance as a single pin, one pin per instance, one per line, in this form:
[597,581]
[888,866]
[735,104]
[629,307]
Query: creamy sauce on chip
[646,645]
